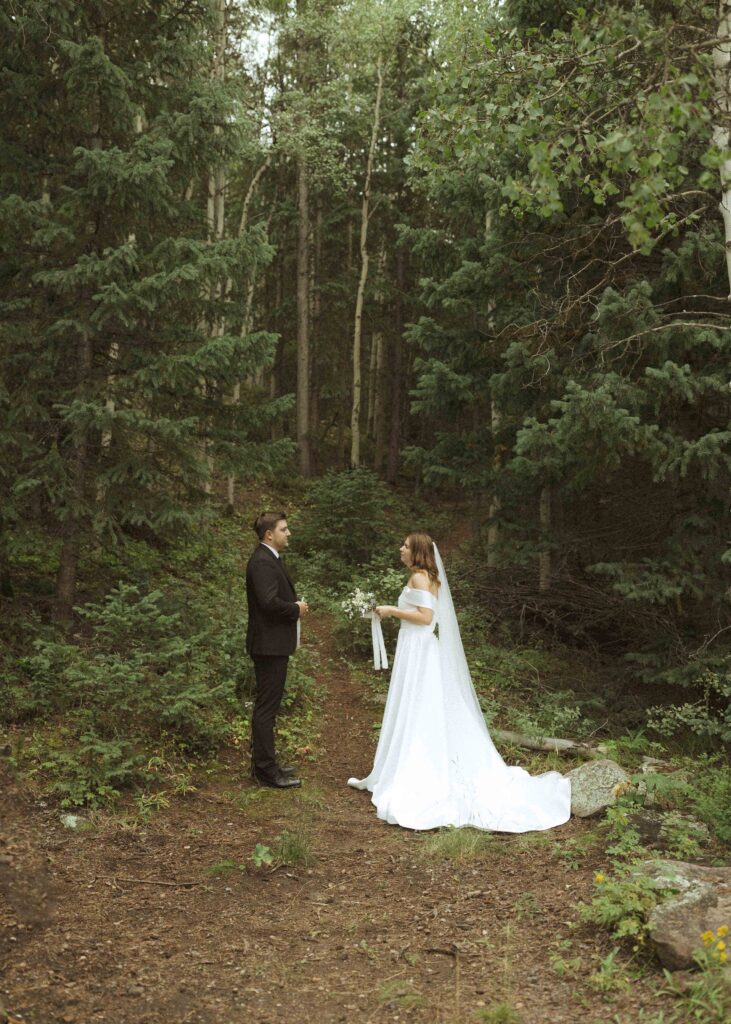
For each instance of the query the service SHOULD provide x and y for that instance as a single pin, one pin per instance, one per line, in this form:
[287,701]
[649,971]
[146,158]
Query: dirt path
[95,928]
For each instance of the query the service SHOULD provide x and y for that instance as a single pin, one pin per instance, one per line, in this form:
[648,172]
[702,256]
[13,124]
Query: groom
[271,636]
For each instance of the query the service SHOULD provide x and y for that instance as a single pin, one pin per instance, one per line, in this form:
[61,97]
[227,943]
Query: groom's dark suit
[271,637]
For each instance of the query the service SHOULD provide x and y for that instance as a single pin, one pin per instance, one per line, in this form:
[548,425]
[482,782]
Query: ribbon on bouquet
[380,658]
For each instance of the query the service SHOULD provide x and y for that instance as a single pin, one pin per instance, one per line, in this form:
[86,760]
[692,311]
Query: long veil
[451,651]
[436,764]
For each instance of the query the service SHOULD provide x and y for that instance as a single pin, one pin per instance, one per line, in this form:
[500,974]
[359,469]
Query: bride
[435,763]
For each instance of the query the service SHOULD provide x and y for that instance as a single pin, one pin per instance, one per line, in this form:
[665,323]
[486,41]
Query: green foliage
[156,678]
[706,995]
[119,330]
[681,836]
[261,856]
[460,845]
[712,796]
[139,674]
[347,520]
[558,355]
[610,976]
[400,995]
[223,868]
[556,713]
[297,725]
[709,716]
[622,905]
[700,789]
[498,1013]
[92,771]
[294,848]
[573,850]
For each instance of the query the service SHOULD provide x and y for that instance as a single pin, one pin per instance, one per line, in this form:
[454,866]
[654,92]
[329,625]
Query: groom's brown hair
[267,521]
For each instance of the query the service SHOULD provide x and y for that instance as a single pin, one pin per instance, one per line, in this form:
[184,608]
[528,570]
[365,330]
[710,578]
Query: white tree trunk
[722,131]
[303,317]
[248,315]
[357,330]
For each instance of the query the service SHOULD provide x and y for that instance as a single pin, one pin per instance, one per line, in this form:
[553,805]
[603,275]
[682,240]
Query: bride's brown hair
[421,547]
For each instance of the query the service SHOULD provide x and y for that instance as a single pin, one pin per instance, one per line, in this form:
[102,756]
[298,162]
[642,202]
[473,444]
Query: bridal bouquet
[359,604]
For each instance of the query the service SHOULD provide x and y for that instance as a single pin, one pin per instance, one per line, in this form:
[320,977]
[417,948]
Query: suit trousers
[270,671]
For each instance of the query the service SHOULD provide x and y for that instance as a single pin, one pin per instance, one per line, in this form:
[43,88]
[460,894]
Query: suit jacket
[273,614]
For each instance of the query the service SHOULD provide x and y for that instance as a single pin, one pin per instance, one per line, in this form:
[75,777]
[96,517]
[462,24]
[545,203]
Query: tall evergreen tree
[576,283]
[109,282]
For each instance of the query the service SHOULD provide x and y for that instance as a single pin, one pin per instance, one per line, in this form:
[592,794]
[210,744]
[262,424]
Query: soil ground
[129,923]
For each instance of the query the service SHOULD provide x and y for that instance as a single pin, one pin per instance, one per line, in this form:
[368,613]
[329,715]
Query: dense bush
[155,677]
[348,520]
[139,672]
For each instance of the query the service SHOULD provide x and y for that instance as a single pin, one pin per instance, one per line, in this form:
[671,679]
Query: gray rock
[595,786]
[701,902]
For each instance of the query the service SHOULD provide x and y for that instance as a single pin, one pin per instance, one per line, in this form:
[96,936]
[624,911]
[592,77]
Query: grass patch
[531,841]
[457,844]
[244,800]
[498,1013]
[311,797]
[527,906]
[294,849]
[223,868]
[400,995]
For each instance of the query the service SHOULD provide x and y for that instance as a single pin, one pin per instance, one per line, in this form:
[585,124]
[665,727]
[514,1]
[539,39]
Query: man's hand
[303,607]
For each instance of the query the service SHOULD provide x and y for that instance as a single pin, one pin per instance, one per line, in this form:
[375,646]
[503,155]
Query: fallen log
[552,744]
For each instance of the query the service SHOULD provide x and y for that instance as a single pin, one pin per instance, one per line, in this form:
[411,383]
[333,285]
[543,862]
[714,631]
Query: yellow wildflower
[720,946]
[722,932]
[708,938]
[599,878]
[723,957]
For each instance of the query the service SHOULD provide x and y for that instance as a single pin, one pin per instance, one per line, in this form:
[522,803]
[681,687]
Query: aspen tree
[364,260]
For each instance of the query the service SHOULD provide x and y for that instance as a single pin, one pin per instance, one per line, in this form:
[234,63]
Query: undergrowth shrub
[708,716]
[139,678]
[622,904]
[139,672]
[92,770]
[347,522]
[712,795]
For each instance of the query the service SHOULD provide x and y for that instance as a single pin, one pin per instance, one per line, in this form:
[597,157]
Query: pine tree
[593,311]
[112,121]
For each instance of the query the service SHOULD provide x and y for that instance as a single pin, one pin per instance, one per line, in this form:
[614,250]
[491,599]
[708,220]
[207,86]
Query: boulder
[700,902]
[595,786]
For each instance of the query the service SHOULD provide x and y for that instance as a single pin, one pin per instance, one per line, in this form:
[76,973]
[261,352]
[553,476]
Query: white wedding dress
[435,763]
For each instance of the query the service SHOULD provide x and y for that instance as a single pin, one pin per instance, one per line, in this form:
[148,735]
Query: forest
[461,266]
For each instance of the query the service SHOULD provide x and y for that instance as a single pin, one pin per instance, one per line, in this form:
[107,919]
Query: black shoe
[282,769]
[277,780]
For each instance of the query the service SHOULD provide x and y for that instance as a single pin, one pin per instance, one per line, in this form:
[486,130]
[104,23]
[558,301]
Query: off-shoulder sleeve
[420,598]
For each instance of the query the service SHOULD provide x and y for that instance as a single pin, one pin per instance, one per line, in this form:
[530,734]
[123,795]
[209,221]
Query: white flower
[359,604]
